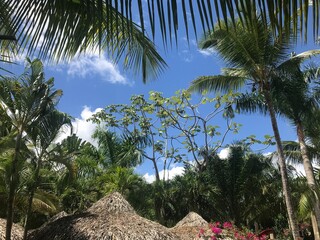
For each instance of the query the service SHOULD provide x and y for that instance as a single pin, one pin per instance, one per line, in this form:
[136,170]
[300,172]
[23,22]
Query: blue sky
[92,82]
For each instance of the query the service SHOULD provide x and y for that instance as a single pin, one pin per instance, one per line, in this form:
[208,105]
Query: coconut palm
[255,57]
[59,30]
[26,100]
[41,137]
[62,30]
[294,100]
[168,15]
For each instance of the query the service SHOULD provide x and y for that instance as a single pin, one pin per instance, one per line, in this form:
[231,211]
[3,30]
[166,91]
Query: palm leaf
[219,83]
[62,30]
[293,154]
[251,103]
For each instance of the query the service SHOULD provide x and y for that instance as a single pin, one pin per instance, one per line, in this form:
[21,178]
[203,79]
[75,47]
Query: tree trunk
[310,179]
[283,168]
[29,210]
[156,170]
[30,200]
[13,185]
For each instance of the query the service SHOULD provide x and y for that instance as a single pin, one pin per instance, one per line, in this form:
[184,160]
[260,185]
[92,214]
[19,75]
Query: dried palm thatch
[57,216]
[16,233]
[110,218]
[188,228]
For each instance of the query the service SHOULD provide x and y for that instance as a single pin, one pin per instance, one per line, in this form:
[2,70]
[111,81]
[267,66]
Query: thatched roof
[189,227]
[16,233]
[112,217]
[57,216]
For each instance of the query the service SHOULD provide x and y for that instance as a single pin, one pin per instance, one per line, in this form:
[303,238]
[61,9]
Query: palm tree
[120,179]
[41,137]
[61,29]
[242,180]
[85,25]
[255,57]
[26,100]
[294,100]
[116,151]
[77,165]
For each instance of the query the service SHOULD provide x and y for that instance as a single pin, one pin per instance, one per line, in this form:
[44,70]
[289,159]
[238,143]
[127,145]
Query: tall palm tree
[41,137]
[26,99]
[293,99]
[255,57]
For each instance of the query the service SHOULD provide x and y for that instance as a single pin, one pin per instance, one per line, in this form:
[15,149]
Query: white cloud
[186,55]
[224,153]
[267,154]
[207,52]
[149,178]
[93,64]
[81,127]
[175,171]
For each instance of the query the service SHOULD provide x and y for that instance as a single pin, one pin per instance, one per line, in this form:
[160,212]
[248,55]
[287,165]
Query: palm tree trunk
[282,165]
[29,210]
[13,185]
[310,178]
[156,170]
[30,200]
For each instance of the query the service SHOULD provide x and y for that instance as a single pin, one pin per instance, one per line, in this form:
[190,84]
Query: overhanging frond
[251,103]
[219,83]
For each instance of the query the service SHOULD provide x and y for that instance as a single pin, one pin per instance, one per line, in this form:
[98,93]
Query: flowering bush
[228,231]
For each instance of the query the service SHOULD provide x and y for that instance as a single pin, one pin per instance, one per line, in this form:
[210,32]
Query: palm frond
[164,17]
[45,202]
[293,154]
[58,31]
[219,83]
[251,103]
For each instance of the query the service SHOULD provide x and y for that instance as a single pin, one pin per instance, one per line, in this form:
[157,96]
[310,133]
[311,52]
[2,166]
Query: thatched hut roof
[189,227]
[112,217]
[57,216]
[16,233]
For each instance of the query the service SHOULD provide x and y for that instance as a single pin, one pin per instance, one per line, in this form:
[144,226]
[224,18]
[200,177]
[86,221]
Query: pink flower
[263,237]
[213,238]
[216,230]
[217,224]
[227,225]
[250,235]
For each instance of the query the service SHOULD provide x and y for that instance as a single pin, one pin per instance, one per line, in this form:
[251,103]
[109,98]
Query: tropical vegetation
[41,176]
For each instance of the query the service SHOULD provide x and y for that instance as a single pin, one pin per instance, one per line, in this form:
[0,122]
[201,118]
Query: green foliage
[171,128]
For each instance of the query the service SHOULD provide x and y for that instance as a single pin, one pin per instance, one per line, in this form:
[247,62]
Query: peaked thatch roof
[192,220]
[112,217]
[17,230]
[189,227]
